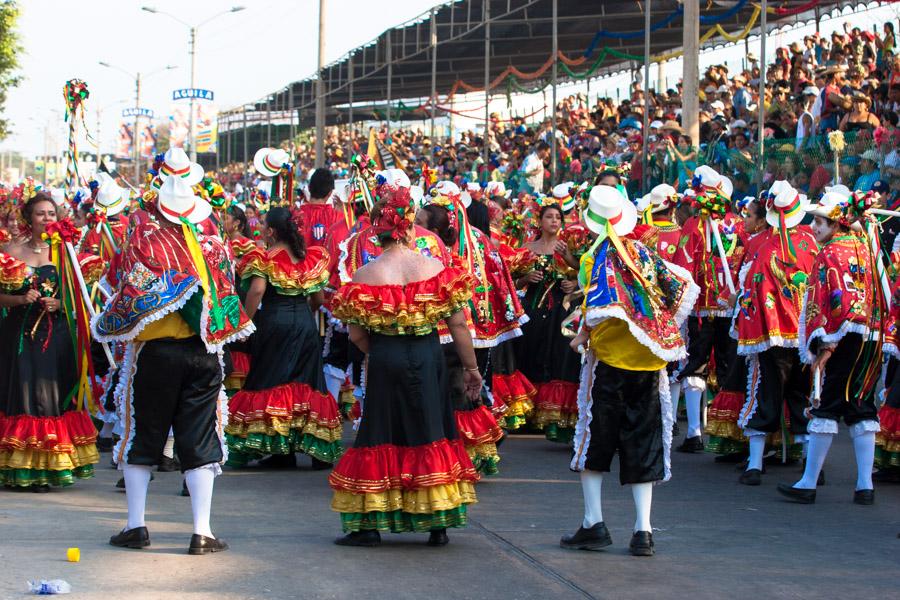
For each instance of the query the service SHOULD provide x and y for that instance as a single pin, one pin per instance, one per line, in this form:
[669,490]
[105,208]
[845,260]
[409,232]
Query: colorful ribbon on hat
[784,213]
[607,232]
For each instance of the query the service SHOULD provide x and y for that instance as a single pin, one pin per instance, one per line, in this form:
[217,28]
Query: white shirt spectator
[533,168]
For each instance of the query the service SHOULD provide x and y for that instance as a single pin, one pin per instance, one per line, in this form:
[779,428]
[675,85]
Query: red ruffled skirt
[288,418]
[513,399]
[725,437]
[240,362]
[556,410]
[47,450]
[480,432]
[887,442]
[400,489]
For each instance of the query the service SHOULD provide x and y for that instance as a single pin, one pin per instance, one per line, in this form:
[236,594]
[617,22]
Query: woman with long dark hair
[407,470]
[44,441]
[543,353]
[239,236]
[494,315]
[281,408]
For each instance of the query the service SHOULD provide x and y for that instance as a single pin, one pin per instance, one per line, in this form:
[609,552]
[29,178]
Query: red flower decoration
[397,214]
[65,230]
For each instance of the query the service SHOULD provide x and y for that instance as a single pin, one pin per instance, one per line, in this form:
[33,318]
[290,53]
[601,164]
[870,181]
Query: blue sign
[188,93]
[137,112]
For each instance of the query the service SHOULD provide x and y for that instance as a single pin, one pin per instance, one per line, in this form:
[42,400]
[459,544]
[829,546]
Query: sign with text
[188,93]
[137,112]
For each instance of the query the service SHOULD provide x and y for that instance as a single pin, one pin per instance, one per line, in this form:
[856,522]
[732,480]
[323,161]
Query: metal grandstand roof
[521,36]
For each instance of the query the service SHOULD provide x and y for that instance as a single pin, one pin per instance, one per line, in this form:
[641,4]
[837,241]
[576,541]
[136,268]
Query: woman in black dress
[408,470]
[44,441]
[282,407]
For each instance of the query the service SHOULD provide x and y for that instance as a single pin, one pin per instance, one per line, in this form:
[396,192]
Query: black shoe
[168,465]
[184,490]
[796,494]
[200,544]
[593,538]
[691,445]
[733,458]
[320,465]
[279,461]
[138,537]
[104,444]
[438,537]
[121,482]
[641,544]
[751,477]
[864,497]
[364,539]
[40,489]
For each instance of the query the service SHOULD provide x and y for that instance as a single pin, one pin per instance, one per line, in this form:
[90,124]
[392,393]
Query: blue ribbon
[664,22]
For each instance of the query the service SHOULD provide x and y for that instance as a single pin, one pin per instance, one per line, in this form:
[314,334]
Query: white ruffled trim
[771,342]
[695,382]
[493,342]
[890,349]
[221,413]
[344,276]
[135,331]
[524,319]
[141,324]
[820,425]
[216,468]
[748,432]
[582,438]
[806,355]
[124,399]
[598,315]
[690,294]
[667,413]
[750,402]
[864,427]
[706,313]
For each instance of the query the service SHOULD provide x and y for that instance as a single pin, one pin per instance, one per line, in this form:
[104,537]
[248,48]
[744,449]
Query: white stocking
[591,486]
[694,389]
[817,450]
[757,448]
[864,448]
[643,499]
[137,480]
[200,485]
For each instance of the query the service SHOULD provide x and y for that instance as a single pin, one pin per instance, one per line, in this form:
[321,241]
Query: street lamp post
[135,150]
[192,50]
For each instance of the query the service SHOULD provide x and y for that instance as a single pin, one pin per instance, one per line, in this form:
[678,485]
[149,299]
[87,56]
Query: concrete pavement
[714,539]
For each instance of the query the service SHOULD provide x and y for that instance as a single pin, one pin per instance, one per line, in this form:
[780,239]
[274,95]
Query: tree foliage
[10,49]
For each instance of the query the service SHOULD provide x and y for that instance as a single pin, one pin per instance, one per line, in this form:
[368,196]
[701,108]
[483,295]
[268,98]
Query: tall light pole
[320,92]
[192,50]
[135,150]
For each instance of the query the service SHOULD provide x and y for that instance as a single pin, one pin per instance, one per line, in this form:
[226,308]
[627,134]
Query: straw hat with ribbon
[270,161]
[661,198]
[832,205]
[176,162]
[177,203]
[111,197]
[785,209]
[611,216]
[564,194]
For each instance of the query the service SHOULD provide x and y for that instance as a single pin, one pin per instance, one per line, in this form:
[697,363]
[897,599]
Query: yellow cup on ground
[73,554]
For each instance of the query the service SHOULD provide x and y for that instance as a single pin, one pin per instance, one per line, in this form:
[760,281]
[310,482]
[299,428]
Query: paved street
[714,539]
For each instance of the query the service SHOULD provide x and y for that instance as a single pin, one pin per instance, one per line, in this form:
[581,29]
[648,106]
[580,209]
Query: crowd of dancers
[174,325]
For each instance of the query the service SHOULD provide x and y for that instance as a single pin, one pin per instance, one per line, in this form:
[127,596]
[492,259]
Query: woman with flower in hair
[282,408]
[407,470]
[44,441]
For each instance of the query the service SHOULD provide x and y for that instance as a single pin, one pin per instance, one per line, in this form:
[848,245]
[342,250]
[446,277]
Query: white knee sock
[200,485]
[757,448]
[137,480]
[817,450]
[643,499]
[864,448]
[693,397]
[169,448]
[675,394]
[591,486]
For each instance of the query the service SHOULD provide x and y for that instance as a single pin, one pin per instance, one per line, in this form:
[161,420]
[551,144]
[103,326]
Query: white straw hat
[269,161]
[176,162]
[605,205]
[177,200]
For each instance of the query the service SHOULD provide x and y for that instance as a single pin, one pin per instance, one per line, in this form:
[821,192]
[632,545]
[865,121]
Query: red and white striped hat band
[270,165]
